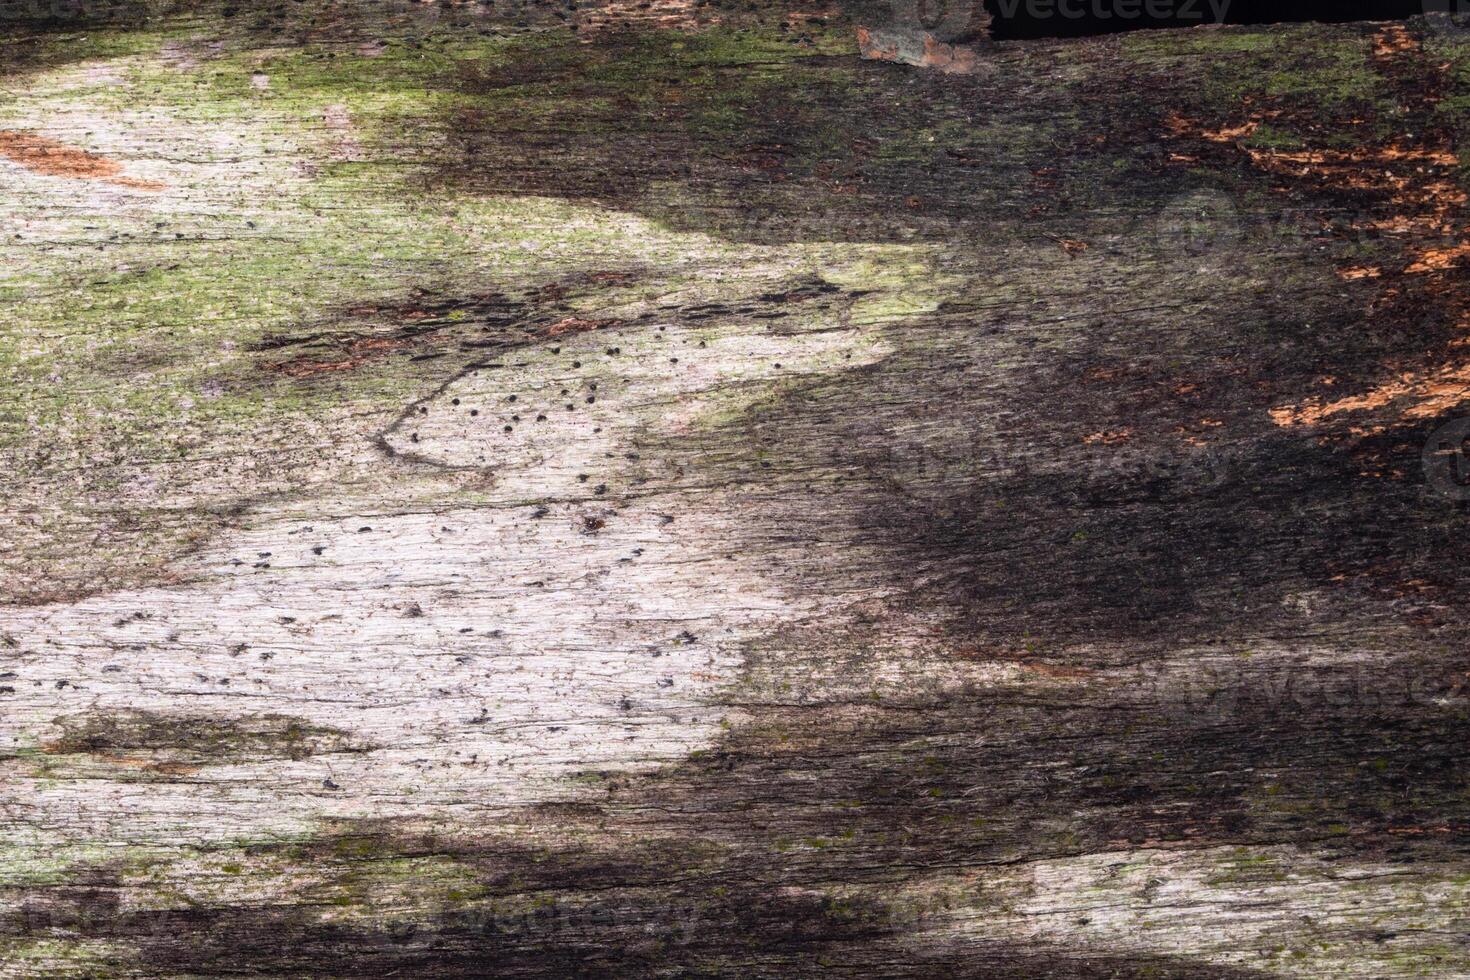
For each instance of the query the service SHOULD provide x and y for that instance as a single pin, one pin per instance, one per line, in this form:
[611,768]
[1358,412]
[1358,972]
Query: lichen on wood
[643,490]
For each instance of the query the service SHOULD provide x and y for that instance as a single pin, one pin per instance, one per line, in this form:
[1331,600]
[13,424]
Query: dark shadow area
[1021,19]
[722,865]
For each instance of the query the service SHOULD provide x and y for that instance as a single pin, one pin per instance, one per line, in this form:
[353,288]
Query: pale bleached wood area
[642,490]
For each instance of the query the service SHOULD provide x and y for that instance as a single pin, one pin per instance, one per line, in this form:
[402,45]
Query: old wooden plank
[663,495]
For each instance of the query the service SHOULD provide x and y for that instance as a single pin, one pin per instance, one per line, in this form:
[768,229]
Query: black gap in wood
[1021,19]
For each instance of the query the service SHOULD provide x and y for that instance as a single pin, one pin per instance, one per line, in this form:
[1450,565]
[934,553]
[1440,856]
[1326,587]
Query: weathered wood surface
[663,496]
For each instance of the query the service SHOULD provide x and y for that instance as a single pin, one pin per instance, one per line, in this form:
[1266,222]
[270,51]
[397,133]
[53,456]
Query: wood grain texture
[643,491]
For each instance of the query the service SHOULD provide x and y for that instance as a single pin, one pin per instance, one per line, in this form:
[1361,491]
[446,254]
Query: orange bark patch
[1394,41]
[357,354]
[1428,209]
[1440,259]
[1425,396]
[675,15]
[1113,438]
[1072,246]
[574,324]
[1230,135]
[137,184]
[164,766]
[923,51]
[43,155]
